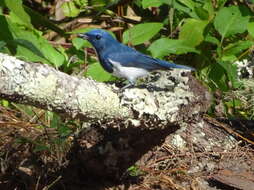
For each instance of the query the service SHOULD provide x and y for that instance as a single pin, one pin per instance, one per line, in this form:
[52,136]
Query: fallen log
[167,97]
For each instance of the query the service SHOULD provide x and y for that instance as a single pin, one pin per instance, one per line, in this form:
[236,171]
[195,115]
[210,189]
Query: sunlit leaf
[18,13]
[29,45]
[237,48]
[192,32]
[81,3]
[251,29]
[230,21]
[79,43]
[151,3]
[70,9]
[141,33]
[96,72]
[185,9]
[165,46]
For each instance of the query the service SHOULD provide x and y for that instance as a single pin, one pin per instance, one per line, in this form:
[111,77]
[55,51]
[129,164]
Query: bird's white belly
[130,73]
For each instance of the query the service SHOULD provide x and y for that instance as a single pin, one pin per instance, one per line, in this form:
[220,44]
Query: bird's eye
[98,36]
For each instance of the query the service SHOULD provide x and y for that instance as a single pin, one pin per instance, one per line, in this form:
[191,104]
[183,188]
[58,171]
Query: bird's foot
[120,90]
[126,86]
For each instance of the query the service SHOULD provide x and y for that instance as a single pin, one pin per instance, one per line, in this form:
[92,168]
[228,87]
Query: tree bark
[164,96]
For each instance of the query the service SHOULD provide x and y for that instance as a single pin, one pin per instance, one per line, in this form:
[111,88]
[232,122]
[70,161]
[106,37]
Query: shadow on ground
[100,157]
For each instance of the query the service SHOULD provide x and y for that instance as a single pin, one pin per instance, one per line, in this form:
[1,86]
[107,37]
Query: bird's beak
[84,36]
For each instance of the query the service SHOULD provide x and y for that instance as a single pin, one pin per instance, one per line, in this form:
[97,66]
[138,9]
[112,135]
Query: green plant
[21,39]
[134,171]
[214,36]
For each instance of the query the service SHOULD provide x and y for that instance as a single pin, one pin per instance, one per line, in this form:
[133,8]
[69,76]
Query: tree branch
[40,85]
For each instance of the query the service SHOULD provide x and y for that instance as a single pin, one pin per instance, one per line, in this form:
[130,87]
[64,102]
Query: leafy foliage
[73,8]
[137,35]
[192,32]
[170,46]
[98,73]
[230,21]
[23,40]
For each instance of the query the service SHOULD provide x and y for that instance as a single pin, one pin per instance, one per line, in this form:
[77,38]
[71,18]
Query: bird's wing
[136,59]
[106,65]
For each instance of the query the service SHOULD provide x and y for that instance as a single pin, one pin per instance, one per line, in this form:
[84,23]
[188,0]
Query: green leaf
[79,43]
[218,77]
[228,58]
[231,71]
[230,21]
[188,3]
[151,3]
[98,3]
[18,13]
[5,103]
[237,48]
[97,73]
[104,6]
[64,130]
[2,5]
[221,3]
[212,40]
[209,7]
[192,32]
[2,45]
[185,9]
[81,3]
[251,29]
[234,103]
[165,46]
[30,46]
[141,33]
[202,13]
[70,9]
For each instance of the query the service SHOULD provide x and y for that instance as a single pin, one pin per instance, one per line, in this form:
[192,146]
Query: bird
[123,61]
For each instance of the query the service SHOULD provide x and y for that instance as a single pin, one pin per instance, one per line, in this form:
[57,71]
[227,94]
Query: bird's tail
[169,65]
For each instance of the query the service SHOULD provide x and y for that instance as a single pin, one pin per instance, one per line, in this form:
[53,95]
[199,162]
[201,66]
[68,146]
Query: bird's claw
[120,90]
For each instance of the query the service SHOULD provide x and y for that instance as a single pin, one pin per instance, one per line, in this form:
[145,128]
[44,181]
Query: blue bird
[123,61]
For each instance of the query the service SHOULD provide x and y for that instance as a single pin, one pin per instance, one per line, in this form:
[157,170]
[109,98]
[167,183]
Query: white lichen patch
[7,63]
[46,84]
[134,122]
[96,98]
[164,94]
[141,100]
[178,141]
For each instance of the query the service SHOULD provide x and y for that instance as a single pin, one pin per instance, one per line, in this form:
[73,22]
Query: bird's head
[99,38]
